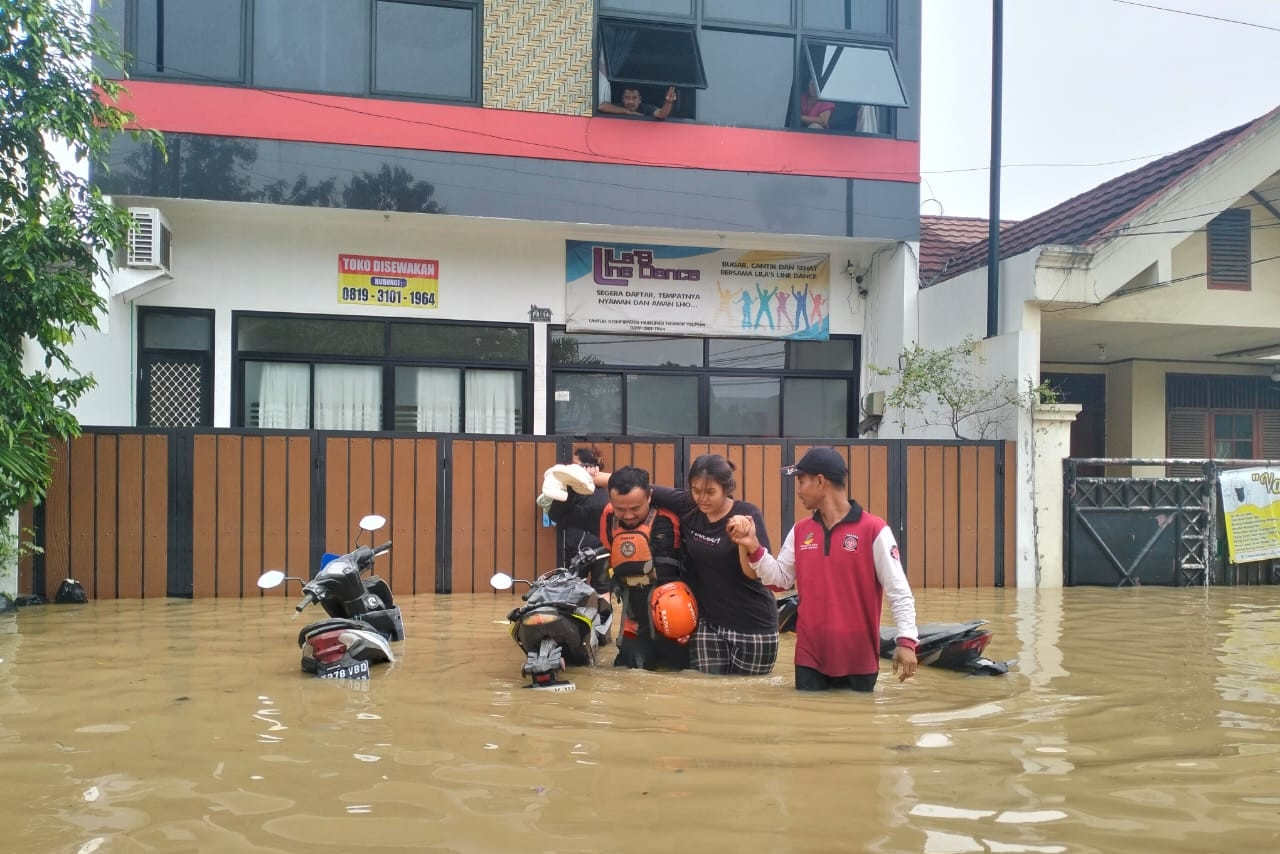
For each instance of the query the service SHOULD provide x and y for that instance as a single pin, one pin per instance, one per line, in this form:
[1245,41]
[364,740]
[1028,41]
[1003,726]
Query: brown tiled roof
[941,237]
[1092,215]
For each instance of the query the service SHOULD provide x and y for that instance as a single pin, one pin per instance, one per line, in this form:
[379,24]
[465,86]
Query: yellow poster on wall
[1251,506]
[388,282]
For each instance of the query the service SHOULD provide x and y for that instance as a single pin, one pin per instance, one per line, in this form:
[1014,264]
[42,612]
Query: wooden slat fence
[250,511]
[141,514]
[112,527]
[395,478]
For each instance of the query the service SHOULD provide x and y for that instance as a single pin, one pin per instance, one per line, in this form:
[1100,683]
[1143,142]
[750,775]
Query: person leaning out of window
[815,113]
[632,105]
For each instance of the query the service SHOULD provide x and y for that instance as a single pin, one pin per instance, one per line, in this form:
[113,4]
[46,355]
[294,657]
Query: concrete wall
[236,256]
[945,314]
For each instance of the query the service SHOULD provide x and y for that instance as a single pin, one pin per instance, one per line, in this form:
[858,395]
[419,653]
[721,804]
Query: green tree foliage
[56,231]
[949,388]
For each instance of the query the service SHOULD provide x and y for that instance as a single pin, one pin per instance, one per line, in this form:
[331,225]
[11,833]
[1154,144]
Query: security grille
[1152,530]
[1129,531]
[176,394]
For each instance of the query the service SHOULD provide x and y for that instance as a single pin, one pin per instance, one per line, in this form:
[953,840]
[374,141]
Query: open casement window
[651,57]
[1230,250]
[654,54]
[856,74]
[861,80]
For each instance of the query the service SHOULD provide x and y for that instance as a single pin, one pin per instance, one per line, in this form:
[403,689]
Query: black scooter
[363,618]
[951,646]
[564,621]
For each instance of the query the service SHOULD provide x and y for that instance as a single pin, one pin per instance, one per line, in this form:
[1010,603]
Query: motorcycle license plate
[357,670]
[554,686]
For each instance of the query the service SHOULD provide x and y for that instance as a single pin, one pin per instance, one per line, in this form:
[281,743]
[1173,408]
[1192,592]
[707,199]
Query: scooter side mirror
[501,581]
[271,578]
[372,522]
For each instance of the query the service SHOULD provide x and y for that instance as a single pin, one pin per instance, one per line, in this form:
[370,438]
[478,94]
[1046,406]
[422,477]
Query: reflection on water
[1136,720]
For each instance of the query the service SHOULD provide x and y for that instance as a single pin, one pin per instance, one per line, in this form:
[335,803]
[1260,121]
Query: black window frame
[141,69]
[888,25]
[147,356]
[699,22]
[368,61]
[387,362]
[476,7]
[1229,250]
[823,75]
[658,30]
[704,373]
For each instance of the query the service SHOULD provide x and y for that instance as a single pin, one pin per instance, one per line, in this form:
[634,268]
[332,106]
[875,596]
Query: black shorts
[808,679]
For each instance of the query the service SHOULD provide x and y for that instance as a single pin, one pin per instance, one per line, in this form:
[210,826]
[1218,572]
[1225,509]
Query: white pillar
[1051,444]
[9,563]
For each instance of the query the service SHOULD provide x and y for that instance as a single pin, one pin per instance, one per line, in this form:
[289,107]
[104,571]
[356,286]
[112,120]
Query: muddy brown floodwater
[1136,720]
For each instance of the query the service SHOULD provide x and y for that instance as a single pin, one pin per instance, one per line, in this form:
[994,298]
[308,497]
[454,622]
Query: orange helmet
[674,610]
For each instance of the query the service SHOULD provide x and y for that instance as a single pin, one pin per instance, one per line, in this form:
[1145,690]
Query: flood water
[1136,720]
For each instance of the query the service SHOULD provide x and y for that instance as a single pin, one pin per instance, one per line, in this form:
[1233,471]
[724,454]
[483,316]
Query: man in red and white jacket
[842,562]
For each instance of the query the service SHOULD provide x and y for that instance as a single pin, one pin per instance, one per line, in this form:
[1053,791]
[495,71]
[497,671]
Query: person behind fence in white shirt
[842,561]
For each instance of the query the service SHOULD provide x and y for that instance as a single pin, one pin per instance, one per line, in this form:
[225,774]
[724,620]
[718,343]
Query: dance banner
[1251,505]
[686,290]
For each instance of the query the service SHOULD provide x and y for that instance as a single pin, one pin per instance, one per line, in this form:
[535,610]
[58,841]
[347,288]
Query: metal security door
[176,389]
[1128,531]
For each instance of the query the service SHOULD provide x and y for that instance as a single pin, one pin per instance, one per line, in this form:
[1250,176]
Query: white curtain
[284,398]
[868,119]
[348,397]
[439,400]
[602,83]
[492,401]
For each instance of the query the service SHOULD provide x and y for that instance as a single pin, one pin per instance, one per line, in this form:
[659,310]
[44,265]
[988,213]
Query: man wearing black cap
[842,562]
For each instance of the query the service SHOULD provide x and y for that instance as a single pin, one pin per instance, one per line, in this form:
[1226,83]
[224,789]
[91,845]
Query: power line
[1141,288]
[1004,166]
[1200,15]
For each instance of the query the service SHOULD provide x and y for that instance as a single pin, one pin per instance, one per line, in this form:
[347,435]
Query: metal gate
[1162,529]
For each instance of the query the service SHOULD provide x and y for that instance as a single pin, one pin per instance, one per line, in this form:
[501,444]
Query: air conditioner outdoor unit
[150,240]
[873,404]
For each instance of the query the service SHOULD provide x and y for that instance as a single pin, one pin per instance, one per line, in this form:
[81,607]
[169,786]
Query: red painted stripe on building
[306,117]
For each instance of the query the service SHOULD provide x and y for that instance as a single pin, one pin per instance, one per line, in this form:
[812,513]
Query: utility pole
[993,207]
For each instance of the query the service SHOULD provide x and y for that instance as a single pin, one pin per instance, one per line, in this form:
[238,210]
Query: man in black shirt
[644,543]
[632,105]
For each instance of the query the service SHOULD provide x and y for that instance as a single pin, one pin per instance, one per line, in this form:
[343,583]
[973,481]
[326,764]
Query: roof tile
[1080,220]
[943,236]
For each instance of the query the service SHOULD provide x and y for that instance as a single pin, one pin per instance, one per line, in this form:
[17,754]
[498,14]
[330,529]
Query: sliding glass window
[303,372]
[652,385]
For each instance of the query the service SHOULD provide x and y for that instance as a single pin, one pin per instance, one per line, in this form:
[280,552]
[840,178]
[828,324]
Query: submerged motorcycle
[952,646]
[363,619]
[564,621]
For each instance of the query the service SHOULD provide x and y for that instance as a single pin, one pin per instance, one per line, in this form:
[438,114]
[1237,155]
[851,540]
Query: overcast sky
[1085,82]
